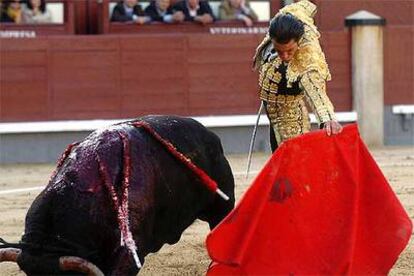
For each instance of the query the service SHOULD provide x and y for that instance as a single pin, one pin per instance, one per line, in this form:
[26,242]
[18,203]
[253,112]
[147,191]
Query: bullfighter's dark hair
[285,27]
[42,5]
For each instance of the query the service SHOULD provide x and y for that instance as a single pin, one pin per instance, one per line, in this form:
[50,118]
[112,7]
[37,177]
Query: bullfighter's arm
[314,87]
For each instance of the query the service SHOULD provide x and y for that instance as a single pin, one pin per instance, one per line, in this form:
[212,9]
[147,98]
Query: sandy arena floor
[188,257]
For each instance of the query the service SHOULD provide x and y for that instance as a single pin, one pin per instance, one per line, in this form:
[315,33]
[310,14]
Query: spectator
[129,10]
[36,12]
[161,10]
[195,10]
[12,11]
[3,17]
[239,10]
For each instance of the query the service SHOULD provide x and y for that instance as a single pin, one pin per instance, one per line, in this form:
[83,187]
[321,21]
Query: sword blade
[249,158]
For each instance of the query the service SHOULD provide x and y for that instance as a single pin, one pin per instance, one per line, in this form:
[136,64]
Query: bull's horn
[9,254]
[69,263]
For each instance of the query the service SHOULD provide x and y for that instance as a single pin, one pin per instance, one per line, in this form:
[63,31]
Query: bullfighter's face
[286,51]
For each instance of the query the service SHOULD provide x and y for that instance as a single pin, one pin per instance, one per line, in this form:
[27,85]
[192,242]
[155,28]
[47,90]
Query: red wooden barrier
[121,76]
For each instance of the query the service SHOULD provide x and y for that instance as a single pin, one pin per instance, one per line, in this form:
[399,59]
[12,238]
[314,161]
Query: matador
[293,68]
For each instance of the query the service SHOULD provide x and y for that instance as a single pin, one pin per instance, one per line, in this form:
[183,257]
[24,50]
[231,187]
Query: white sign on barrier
[17,34]
[238,30]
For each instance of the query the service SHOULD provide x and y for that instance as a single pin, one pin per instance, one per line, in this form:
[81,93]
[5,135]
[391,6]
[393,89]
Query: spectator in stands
[36,12]
[195,10]
[3,17]
[161,10]
[129,10]
[239,10]
[11,11]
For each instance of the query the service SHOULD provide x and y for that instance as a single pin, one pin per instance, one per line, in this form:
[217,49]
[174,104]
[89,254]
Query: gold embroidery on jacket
[308,57]
[276,77]
[269,79]
[314,88]
[288,116]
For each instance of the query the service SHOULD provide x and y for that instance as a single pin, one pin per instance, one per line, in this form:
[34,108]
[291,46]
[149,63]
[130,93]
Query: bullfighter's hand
[332,127]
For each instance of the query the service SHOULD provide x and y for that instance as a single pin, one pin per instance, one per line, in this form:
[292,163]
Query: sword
[249,158]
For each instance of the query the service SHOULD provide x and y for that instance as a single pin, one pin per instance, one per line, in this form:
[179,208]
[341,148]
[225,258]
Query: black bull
[76,215]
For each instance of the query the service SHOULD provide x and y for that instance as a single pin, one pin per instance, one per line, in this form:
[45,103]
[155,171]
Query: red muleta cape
[320,206]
